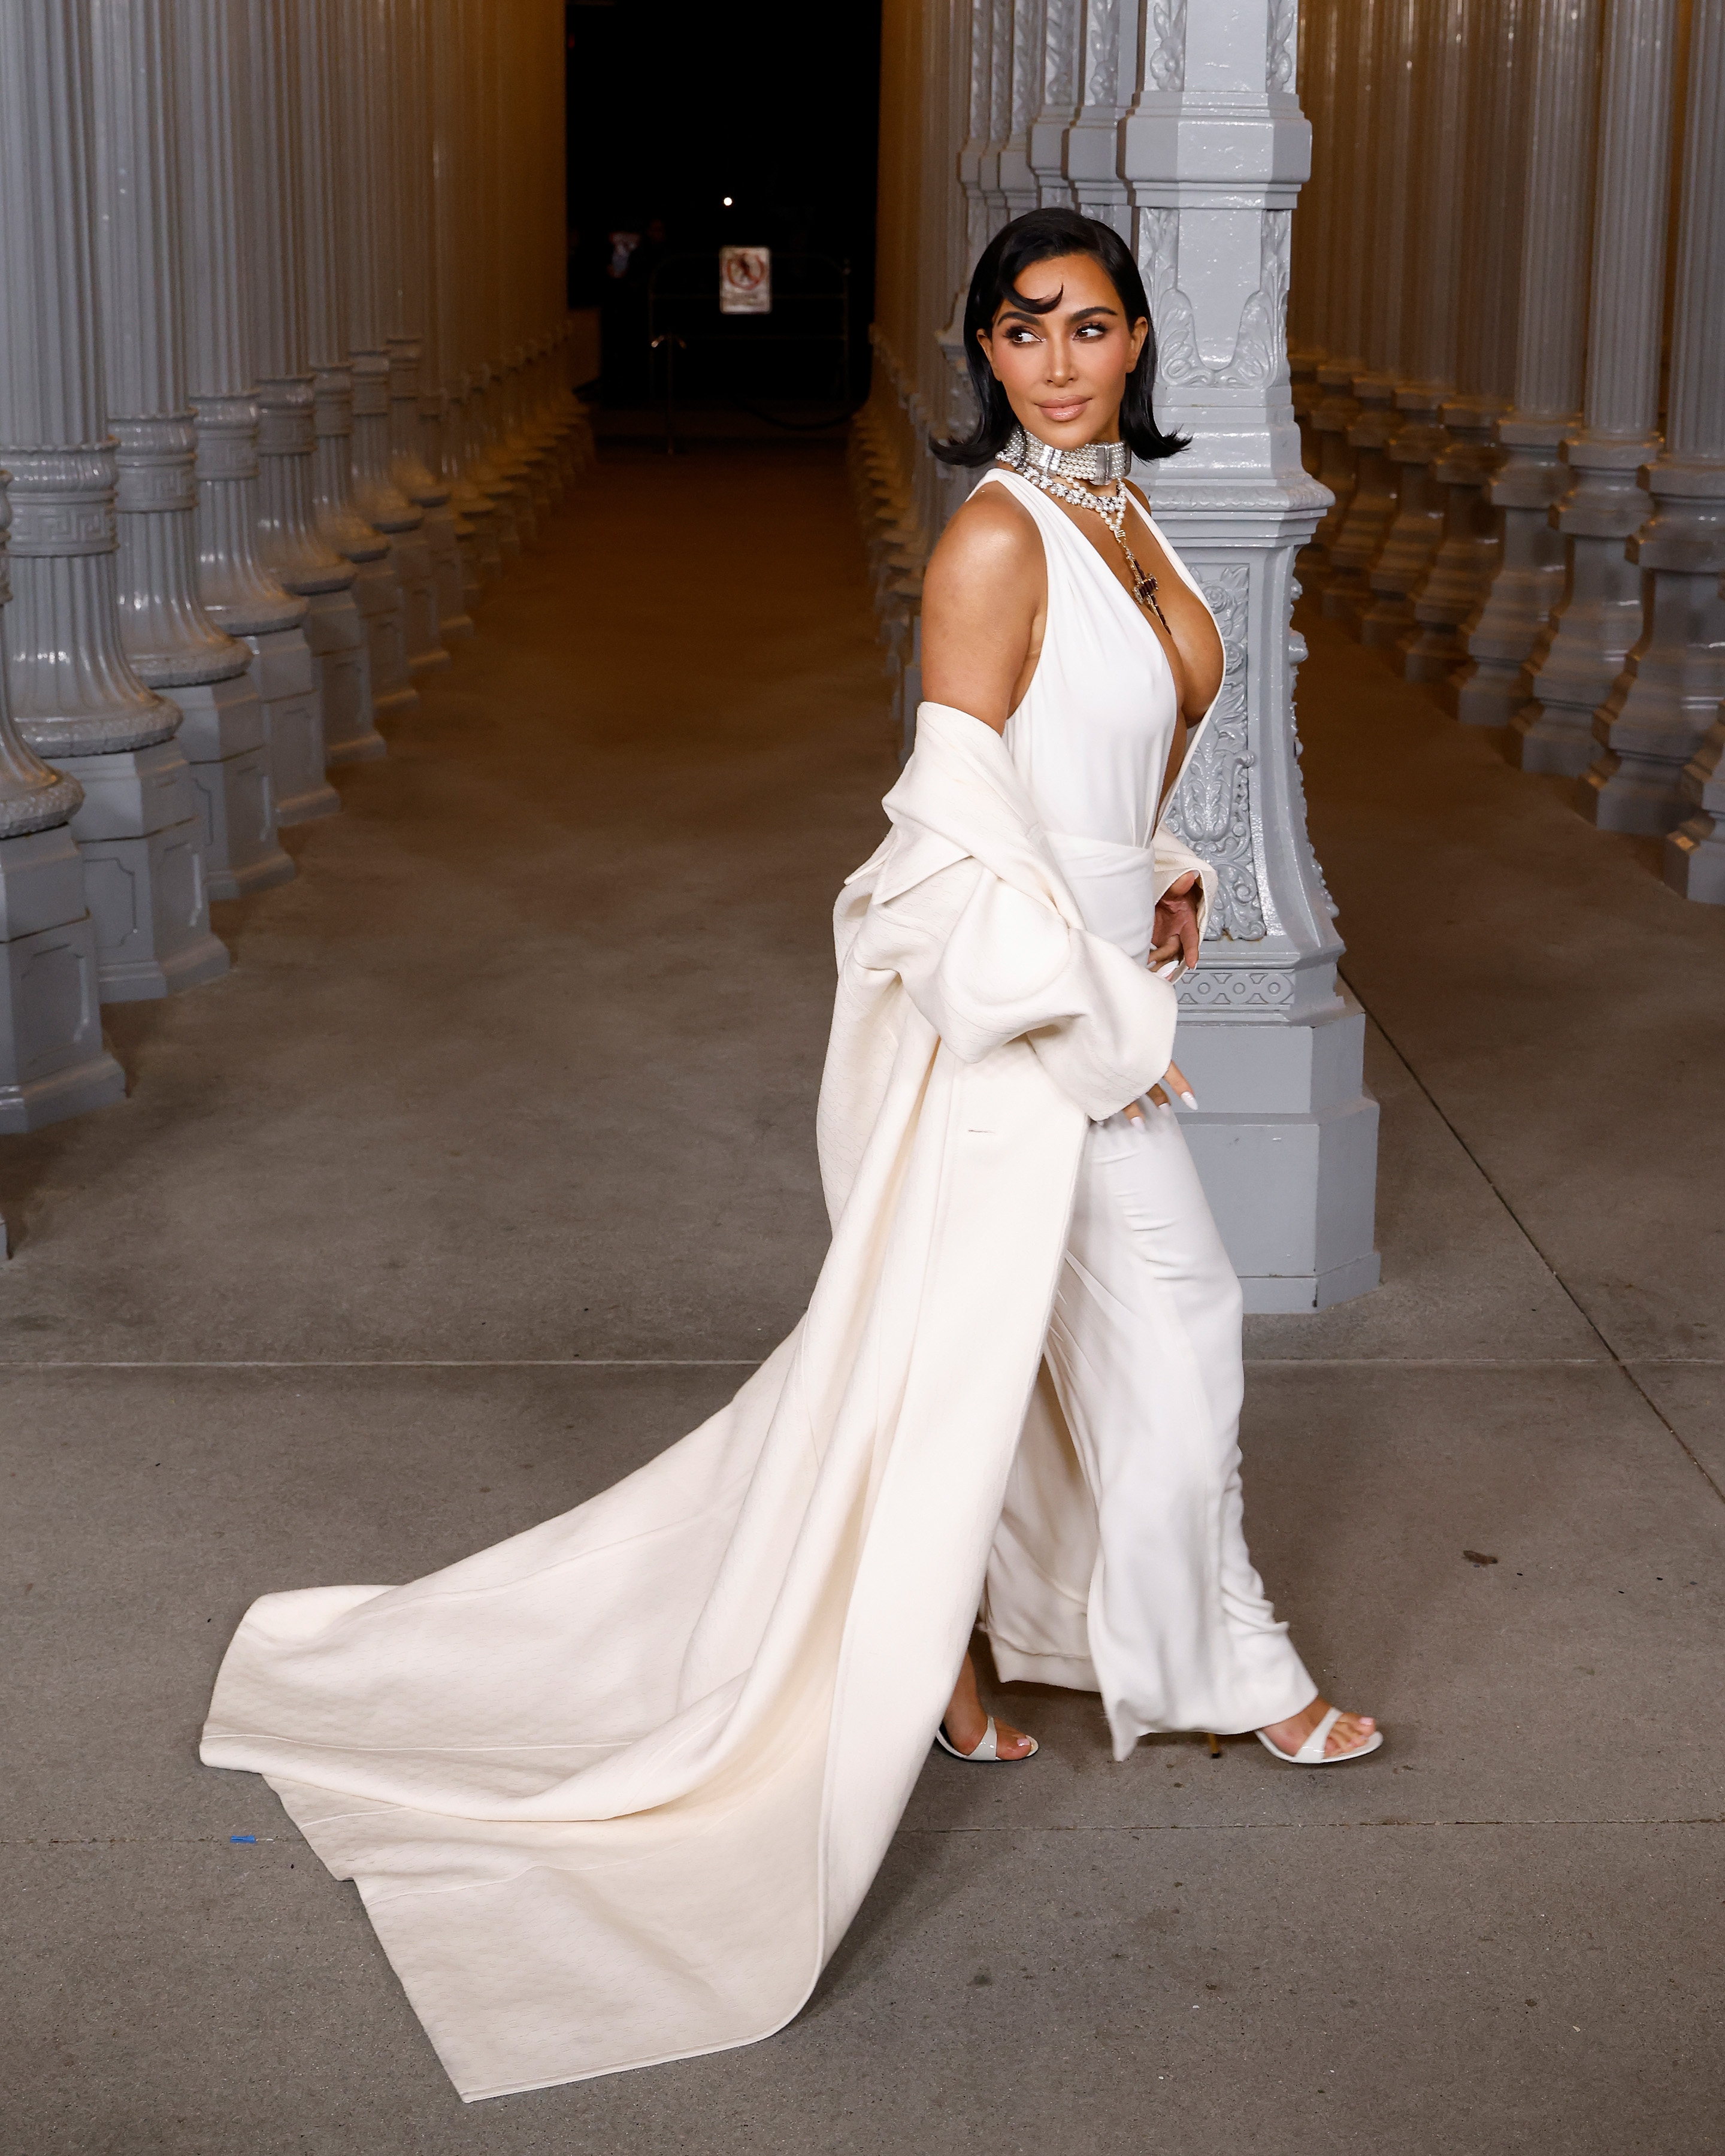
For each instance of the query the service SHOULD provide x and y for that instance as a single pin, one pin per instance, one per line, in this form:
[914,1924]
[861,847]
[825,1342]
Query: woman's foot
[966,1724]
[1352,1732]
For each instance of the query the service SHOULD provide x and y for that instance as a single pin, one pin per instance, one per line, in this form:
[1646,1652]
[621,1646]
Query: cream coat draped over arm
[612,1790]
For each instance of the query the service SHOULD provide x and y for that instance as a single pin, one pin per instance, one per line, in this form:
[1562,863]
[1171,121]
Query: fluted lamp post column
[1435,155]
[406,110]
[238,590]
[455,299]
[376,593]
[74,697]
[53,1062]
[1286,1139]
[365,58]
[1336,409]
[289,539]
[1550,353]
[1664,702]
[1467,555]
[485,402]
[1385,28]
[168,638]
[1579,655]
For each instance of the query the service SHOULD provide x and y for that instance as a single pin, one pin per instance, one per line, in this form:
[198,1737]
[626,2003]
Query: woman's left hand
[1176,930]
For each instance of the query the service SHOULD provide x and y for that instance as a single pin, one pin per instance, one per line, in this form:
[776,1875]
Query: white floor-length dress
[1159,1607]
[612,1790]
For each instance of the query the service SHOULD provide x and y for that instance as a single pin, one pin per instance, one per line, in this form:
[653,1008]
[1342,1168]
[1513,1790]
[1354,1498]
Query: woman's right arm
[984,599]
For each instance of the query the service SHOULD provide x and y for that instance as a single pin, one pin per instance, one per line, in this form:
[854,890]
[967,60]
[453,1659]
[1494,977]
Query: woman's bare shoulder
[990,539]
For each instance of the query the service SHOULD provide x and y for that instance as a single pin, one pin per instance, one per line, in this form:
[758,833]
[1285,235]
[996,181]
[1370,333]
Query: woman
[1095,699]
[612,1790]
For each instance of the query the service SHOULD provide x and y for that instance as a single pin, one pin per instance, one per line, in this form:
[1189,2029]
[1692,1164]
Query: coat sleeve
[986,963]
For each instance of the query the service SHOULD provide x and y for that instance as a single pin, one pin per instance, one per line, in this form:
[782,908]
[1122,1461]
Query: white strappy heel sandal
[989,1748]
[1310,1754]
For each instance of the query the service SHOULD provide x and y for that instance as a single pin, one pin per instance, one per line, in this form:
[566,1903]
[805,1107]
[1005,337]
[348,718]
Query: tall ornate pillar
[1581,652]
[1336,409]
[376,593]
[53,1062]
[1550,352]
[238,591]
[1663,704]
[364,59]
[1286,1138]
[512,452]
[289,540]
[1109,57]
[169,641]
[453,303]
[1372,507]
[73,697]
[1433,270]
[490,419]
[1024,43]
[1057,108]
[405,109]
[1467,554]
[1309,289]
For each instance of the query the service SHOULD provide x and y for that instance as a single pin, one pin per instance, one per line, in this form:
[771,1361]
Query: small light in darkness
[727,201]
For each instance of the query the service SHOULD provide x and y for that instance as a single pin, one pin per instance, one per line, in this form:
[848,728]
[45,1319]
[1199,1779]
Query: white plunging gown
[1159,1609]
[612,1790]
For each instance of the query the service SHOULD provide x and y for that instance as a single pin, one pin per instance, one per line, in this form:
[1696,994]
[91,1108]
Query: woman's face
[1064,372]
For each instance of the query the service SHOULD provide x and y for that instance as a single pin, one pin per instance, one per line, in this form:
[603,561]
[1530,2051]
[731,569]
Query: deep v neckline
[1095,557]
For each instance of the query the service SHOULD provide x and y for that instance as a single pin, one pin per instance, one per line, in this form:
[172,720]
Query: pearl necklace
[1063,473]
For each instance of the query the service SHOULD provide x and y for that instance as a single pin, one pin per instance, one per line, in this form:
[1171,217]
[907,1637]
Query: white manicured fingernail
[1190,1099]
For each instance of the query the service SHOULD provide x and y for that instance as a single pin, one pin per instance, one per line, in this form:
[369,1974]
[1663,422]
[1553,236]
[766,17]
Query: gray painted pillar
[376,593]
[1057,102]
[1581,653]
[53,1062]
[288,540]
[364,59]
[1550,353]
[1435,160]
[1467,555]
[1664,702]
[73,697]
[449,345]
[404,116]
[238,590]
[171,642]
[1286,1139]
[1336,409]
[1372,508]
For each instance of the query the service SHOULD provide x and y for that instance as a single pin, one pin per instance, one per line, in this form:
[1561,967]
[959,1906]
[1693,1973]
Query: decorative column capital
[62,499]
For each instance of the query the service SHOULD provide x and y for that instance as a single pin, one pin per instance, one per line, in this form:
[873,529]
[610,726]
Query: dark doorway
[674,106]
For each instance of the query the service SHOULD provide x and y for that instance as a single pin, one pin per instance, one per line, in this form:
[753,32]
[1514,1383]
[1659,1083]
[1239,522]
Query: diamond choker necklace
[1094,460]
[1070,475]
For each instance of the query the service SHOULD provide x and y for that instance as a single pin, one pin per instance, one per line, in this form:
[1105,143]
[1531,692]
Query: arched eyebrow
[1078,314]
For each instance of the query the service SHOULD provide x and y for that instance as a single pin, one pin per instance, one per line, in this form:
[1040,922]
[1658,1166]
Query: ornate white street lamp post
[1213,156]
[1580,654]
[1665,701]
[53,1062]
[73,697]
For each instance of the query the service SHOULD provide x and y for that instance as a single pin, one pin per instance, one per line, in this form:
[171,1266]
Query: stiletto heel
[1214,1742]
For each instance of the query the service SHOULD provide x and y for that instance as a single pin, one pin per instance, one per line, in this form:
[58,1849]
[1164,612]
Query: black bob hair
[1041,235]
